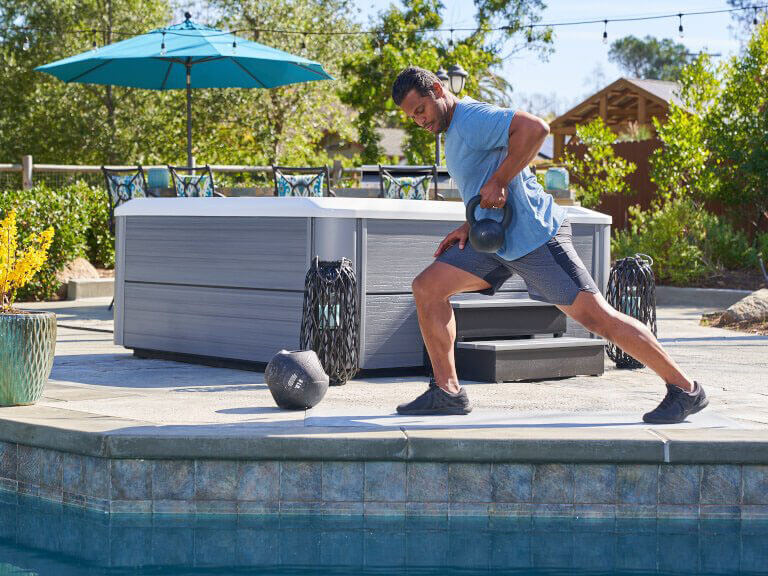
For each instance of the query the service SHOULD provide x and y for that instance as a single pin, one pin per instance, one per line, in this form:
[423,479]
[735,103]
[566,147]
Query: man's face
[430,111]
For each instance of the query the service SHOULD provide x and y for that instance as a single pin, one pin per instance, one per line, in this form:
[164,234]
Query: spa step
[483,317]
[529,358]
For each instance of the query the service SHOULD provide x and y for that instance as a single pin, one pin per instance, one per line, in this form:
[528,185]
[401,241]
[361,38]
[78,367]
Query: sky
[579,65]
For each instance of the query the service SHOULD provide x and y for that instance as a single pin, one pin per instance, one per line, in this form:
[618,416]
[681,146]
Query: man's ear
[438,89]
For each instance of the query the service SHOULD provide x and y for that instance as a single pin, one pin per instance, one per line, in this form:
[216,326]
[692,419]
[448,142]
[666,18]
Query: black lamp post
[454,79]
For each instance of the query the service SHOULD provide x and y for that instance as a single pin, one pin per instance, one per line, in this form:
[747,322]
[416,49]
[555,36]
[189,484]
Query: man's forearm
[522,149]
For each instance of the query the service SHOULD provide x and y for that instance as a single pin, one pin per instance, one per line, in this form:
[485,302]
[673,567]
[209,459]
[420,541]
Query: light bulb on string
[255,35]
[680,27]
[605,31]
[754,18]
[162,46]
[450,40]
[94,46]
[234,43]
[530,34]
[304,42]
[25,46]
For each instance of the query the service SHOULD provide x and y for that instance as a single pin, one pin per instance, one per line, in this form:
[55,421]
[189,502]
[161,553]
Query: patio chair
[302,181]
[123,184]
[408,182]
[190,185]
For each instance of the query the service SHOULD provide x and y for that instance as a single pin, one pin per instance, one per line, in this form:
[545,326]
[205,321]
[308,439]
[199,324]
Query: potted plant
[27,339]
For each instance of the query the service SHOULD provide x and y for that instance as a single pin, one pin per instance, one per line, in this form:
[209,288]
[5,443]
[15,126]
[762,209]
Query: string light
[680,27]
[450,40]
[507,27]
[25,46]
[304,41]
[234,43]
[94,46]
[162,46]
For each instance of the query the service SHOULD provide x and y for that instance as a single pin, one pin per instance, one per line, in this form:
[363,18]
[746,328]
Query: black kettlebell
[486,235]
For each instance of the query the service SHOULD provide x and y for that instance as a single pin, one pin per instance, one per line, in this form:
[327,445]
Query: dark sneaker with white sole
[436,401]
[677,405]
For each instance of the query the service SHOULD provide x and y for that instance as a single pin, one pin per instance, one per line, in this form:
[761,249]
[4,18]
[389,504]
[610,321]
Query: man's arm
[526,135]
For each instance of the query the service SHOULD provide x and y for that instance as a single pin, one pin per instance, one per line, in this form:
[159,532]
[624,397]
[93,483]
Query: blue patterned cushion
[300,185]
[192,186]
[407,187]
[124,188]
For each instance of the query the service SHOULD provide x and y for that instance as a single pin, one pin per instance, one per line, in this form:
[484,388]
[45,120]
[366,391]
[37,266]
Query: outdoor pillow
[124,188]
[300,185]
[407,187]
[192,186]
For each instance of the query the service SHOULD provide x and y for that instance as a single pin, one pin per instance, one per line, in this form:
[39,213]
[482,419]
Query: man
[487,150]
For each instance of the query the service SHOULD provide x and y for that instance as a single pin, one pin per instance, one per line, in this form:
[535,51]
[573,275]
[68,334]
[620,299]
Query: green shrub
[100,241]
[671,234]
[761,246]
[726,247]
[78,215]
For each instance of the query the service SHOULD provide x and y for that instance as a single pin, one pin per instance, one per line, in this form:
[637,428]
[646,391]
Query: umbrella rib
[249,73]
[99,65]
[167,73]
[310,70]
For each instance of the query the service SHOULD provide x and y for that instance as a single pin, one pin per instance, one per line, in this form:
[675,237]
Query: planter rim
[28,313]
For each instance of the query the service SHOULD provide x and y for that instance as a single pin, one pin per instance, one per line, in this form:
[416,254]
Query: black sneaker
[677,405]
[436,401]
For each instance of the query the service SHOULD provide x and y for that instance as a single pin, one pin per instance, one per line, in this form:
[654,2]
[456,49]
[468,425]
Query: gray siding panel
[399,249]
[266,253]
[392,336]
[243,324]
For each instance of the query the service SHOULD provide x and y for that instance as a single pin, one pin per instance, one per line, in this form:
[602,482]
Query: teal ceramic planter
[27,346]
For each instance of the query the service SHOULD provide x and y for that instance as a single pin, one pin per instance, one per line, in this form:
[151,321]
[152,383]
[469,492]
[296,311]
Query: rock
[79,269]
[752,308]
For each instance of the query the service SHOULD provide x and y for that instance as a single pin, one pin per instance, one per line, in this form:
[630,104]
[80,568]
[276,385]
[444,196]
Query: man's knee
[425,287]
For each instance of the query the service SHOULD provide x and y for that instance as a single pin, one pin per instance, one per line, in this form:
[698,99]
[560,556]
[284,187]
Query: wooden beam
[603,106]
[642,114]
[559,146]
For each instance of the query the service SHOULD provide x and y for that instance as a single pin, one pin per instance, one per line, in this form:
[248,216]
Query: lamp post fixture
[453,79]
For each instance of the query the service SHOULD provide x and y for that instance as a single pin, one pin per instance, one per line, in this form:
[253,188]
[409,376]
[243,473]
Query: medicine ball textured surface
[296,380]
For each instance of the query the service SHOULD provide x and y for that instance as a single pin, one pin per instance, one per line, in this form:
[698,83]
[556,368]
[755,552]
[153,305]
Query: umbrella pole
[189,114]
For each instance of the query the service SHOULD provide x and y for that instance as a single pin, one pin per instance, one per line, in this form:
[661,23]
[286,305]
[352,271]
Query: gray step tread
[511,302]
[532,344]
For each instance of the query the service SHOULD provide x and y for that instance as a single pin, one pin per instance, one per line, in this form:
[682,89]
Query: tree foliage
[399,41]
[714,147]
[600,171]
[649,57]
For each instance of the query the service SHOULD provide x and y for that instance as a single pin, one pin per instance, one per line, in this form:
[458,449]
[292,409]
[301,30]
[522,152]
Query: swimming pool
[38,537]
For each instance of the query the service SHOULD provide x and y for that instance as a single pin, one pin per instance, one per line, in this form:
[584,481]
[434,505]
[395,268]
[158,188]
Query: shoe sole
[449,412]
[698,408]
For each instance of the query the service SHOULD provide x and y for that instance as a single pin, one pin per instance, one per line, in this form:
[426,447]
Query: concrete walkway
[93,377]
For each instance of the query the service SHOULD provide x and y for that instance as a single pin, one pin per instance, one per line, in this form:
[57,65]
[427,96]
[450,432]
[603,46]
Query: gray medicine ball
[296,380]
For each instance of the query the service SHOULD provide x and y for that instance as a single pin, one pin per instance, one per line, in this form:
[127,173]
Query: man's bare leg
[431,291]
[632,336]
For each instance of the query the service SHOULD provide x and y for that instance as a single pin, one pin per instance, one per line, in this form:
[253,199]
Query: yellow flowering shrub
[18,266]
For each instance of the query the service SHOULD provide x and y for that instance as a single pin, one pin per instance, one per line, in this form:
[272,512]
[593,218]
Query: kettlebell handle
[474,202]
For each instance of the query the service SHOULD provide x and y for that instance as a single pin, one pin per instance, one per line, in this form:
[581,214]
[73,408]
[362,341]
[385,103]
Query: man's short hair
[413,78]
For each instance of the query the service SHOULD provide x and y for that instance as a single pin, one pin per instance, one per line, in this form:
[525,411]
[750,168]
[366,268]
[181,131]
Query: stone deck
[121,434]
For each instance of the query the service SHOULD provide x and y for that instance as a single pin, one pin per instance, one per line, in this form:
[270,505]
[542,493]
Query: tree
[600,171]
[649,57]
[74,123]
[399,39]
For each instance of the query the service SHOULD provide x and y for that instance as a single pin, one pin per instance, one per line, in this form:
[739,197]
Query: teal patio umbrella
[187,55]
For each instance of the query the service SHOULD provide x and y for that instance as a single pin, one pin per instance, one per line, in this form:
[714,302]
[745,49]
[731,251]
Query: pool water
[38,537]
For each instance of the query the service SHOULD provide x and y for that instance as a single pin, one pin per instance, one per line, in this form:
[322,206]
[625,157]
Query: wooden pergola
[625,100]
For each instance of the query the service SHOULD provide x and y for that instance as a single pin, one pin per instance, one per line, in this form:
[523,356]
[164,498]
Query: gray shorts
[553,272]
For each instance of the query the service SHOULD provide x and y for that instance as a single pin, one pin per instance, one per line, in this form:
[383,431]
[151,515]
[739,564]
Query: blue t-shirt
[475,146]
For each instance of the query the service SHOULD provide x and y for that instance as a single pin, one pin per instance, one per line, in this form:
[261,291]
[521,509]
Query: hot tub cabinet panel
[224,277]
[247,325]
[264,253]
